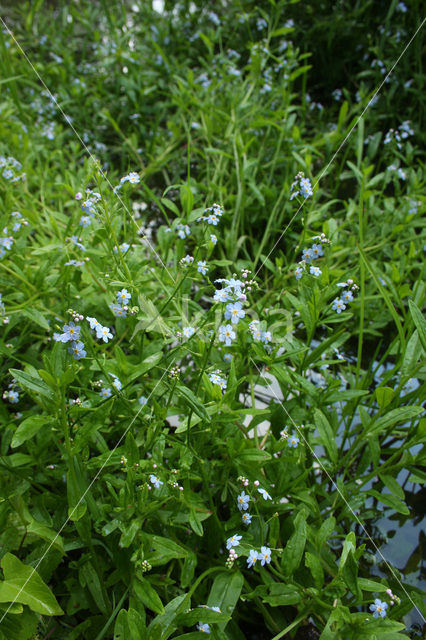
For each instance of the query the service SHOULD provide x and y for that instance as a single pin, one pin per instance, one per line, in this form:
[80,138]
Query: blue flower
[234,311]
[71,332]
[307,255]
[77,350]
[293,441]
[317,250]
[118,310]
[105,392]
[315,271]
[347,296]
[93,322]
[242,500]
[265,555]
[246,518]
[188,331]
[265,494]
[265,337]
[226,334]
[338,305]
[116,382]
[379,608]
[203,627]
[202,267]
[298,273]
[253,558]
[233,541]
[306,187]
[155,481]
[104,333]
[85,221]
[213,238]
[183,231]
[221,295]
[123,296]
[227,357]
[143,400]
[13,396]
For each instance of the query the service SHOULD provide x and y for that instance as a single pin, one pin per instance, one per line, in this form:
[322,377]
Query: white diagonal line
[68,121]
[344,141]
[301,434]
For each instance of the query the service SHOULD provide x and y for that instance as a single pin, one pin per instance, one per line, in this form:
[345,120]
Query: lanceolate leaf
[23,584]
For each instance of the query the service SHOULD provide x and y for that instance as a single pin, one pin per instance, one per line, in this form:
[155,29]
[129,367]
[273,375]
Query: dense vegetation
[212,283]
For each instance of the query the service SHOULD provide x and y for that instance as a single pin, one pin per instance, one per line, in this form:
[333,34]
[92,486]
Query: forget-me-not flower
[242,501]
[234,311]
[379,608]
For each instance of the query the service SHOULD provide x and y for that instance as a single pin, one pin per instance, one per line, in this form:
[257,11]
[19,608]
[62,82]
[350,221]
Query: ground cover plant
[212,285]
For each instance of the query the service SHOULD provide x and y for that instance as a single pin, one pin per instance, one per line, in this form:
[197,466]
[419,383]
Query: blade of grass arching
[386,298]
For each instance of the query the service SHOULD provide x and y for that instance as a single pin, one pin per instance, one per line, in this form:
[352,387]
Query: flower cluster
[6,242]
[339,304]
[400,134]
[301,186]
[124,247]
[131,177]
[183,230]
[12,394]
[88,207]
[314,252]
[264,556]
[120,308]
[212,214]
[216,378]
[187,261]
[11,167]
[71,333]
[102,332]
[258,334]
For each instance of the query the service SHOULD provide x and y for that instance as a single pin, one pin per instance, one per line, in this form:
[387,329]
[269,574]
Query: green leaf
[390,501]
[253,455]
[23,584]
[195,523]
[282,595]
[192,401]
[402,414]
[88,576]
[384,396]
[314,564]
[162,626]
[148,595]
[35,316]
[32,383]
[46,533]
[326,435]
[18,627]
[349,573]
[325,531]
[27,429]
[225,593]
[188,569]
[295,546]
[393,485]
[371,585]
[419,321]
[164,550]
[170,205]
[129,625]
